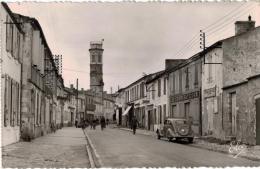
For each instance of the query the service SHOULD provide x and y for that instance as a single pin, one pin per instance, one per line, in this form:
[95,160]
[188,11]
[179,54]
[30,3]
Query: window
[159,87]
[173,83]
[196,80]
[164,111]
[11,102]
[186,109]
[153,91]
[187,78]
[164,86]
[99,58]
[6,102]
[93,58]
[210,69]
[180,81]
[160,114]
[173,112]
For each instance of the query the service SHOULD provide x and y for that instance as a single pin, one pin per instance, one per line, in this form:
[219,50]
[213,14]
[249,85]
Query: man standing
[134,124]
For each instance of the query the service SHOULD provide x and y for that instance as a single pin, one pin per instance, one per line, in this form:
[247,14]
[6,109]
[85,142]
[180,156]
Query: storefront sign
[187,96]
[210,92]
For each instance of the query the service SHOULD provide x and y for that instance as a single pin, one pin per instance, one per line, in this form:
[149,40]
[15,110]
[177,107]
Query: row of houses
[34,100]
[217,89]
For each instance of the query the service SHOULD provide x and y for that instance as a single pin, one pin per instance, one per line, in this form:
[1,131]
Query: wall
[185,89]
[212,83]
[11,67]
[241,57]
[245,109]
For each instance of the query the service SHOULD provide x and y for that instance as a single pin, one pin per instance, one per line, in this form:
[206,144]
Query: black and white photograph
[130,84]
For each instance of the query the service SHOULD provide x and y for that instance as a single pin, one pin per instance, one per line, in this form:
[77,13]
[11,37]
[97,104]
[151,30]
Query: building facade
[184,92]
[11,57]
[228,86]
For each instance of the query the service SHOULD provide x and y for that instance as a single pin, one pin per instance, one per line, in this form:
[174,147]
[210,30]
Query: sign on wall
[187,96]
[211,92]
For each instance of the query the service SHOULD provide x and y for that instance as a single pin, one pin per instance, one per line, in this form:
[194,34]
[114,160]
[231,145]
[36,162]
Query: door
[233,113]
[120,116]
[149,119]
[186,110]
[258,121]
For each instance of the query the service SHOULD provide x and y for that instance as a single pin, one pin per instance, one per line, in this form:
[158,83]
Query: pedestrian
[91,123]
[94,124]
[107,121]
[76,122]
[103,122]
[134,124]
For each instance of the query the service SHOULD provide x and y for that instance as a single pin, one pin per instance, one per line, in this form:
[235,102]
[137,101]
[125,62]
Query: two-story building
[11,48]
[230,88]
[184,91]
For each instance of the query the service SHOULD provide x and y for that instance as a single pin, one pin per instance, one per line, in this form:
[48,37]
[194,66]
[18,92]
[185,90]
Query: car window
[180,122]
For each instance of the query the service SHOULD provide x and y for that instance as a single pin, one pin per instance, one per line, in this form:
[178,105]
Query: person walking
[134,124]
[94,124]
[76,122]
[103,122]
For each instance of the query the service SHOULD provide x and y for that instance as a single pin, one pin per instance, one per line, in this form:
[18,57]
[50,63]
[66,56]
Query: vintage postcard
[130,84]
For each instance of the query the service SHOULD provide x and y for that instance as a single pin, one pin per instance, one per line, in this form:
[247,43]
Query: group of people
[93,123]
[103,122]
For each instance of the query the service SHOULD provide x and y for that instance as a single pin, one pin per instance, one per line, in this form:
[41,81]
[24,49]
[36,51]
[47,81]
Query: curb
[129,130]
[94,158]
[206,148]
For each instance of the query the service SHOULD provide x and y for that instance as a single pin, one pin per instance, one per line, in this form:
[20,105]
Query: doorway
[233,113]
[257,121]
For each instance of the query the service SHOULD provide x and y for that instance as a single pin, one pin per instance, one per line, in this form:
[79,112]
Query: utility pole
[77,86]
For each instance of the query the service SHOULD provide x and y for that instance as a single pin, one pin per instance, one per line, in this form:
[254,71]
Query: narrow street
[65,148]
[118,148]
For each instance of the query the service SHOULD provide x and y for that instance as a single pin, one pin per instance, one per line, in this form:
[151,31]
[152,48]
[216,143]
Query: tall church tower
[96,66]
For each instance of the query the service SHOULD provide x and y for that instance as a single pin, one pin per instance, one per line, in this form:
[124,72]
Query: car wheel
[190,140]
[170,139]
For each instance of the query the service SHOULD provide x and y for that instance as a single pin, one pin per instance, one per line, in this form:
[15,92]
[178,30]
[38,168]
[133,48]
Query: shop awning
[127,110]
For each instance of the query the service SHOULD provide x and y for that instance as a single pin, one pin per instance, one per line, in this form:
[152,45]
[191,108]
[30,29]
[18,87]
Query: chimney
[170,63]
[71,86]
[244,26]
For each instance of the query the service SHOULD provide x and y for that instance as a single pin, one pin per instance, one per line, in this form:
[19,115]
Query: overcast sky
[138,37]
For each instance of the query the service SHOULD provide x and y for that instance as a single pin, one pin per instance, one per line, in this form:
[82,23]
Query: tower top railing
[96,44]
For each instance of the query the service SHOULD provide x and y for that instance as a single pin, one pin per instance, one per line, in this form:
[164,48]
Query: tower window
[99,58]
[93,58]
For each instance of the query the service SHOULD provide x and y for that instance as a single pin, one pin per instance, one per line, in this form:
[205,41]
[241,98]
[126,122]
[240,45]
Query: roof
[36,25]
[242,82]
[12,16]
[142,78]
[156,76]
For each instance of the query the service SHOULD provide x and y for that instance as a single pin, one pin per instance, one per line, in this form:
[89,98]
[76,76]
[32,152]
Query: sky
[138,37]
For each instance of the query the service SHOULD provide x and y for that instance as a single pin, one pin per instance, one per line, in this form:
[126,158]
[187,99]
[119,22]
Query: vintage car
[174,128]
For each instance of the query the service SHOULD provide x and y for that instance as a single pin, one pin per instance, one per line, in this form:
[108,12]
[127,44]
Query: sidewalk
[65,148]
[249,152]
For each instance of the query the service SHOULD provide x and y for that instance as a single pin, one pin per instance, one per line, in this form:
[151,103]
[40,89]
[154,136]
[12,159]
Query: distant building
[96,75]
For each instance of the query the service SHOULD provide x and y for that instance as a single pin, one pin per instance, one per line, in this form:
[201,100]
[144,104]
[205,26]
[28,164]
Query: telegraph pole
[77,86]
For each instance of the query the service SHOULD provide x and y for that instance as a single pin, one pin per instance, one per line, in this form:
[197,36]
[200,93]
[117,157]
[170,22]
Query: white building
[11,55]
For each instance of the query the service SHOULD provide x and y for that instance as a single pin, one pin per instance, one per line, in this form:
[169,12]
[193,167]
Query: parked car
[174,128]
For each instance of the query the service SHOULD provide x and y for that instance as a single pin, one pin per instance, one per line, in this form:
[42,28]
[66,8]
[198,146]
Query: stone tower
[96,66]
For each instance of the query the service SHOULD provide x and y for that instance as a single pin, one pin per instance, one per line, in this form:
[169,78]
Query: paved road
[118,148]
[65,148]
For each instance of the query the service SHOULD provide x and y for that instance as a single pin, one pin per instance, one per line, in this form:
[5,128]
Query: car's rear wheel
[190,140]
[169,138]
